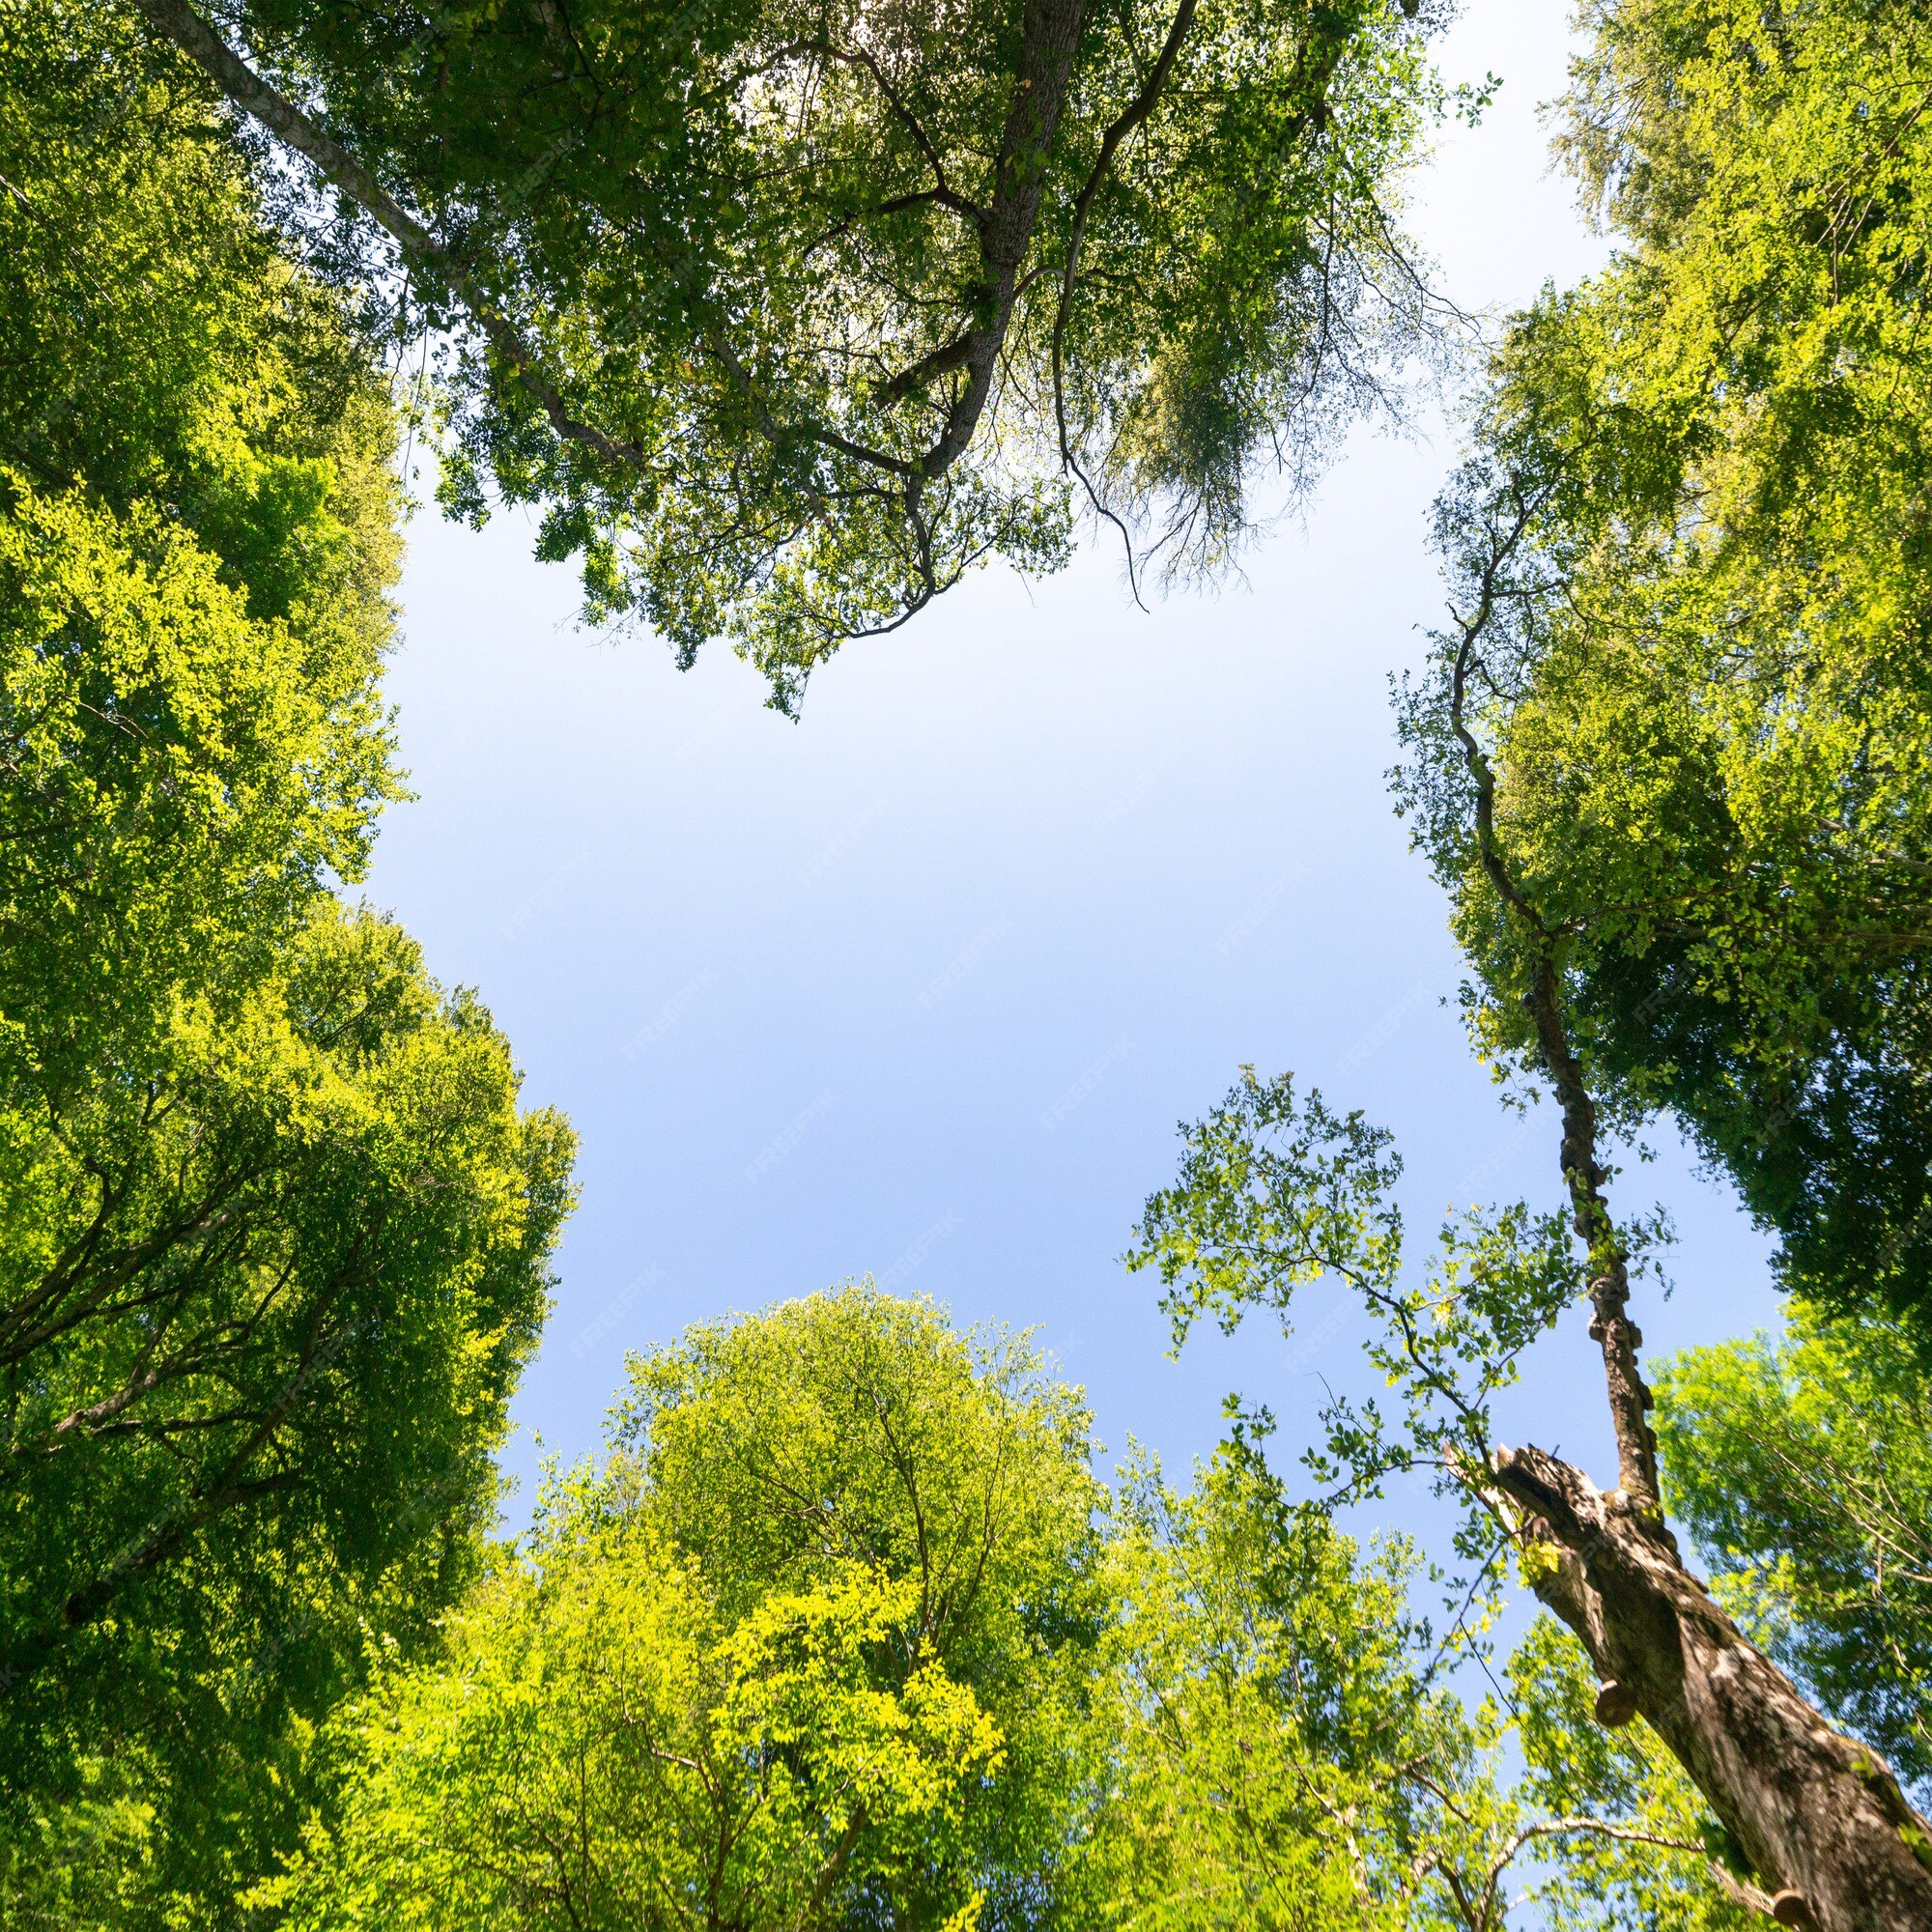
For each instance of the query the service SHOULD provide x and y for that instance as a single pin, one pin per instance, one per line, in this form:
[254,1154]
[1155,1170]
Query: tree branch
[179,24]
[1583,1173]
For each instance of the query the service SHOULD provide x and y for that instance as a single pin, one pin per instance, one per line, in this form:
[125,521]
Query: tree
[275,1231]
[839,1635]
[789,318]
[1276,1191]
[598,1746]
[200,535]
[1667,760]
[1291,1752]
[1708,703]
[1820,1816]
[1802,1466]
[808,1649]
[864,1428]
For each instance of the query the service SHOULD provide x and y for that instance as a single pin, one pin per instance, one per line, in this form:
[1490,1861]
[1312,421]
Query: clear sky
[921,986]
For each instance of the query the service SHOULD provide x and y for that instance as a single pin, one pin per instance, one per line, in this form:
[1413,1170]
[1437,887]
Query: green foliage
[1694,525]
[1804,1468]
[182,777]
[855,1428]
[1276,1193]
[260,1319]
[274,1234]
[811,1648]
[1383,1795]
[1268,1692]
[87,1859]
[1638,1848]
[843,1632]
[837,1636]
[163,346]
[603,1746]
[196,542]
[834,304]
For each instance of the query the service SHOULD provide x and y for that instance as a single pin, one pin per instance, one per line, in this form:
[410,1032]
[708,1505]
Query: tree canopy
[1801,1465]
[274,1229]
[810,1648]
[842,1632]
[199,542]
[789,317]
[1695,518]
[1668,757]
[1276,1190]
[1291,1749]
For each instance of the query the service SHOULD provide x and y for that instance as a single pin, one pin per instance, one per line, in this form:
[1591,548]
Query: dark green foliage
[790,316]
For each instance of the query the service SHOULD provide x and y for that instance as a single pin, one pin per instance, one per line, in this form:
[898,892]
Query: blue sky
[921,986]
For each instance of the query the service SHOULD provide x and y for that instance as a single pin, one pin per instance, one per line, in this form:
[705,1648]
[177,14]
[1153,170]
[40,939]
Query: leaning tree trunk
[1821,1818]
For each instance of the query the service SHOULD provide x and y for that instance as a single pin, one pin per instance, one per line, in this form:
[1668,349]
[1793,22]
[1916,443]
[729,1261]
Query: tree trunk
[1820,1817]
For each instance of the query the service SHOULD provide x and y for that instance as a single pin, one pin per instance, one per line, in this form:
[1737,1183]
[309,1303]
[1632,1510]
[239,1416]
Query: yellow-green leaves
[819,1635]
[1274,1193]
[1803,1466]
[1697,507]
[1285,1754]
[274,1231]
[182,773]
[904,1751]
[600,1747]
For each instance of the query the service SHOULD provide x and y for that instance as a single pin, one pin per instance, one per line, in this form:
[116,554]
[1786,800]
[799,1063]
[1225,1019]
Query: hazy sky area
[921,986]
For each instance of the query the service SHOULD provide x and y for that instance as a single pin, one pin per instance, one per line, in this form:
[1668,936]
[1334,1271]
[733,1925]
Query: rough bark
[1611,1326]
[1820,1816]
[1817,1814]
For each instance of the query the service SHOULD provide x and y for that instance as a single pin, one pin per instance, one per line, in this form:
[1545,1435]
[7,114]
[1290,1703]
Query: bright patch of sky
[920,986]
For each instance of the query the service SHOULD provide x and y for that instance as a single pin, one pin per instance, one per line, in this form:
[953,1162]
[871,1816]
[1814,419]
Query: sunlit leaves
[601,1747]
[817,1641]
[1275,1193]
[273,1229]
[1696,505]
[1803,1470]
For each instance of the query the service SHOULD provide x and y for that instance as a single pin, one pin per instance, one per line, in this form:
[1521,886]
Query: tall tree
[1707,699]
[810,1649]
[275,1231]
[1668,760]
[793,316]
[1276,1191]
[1819,1815]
